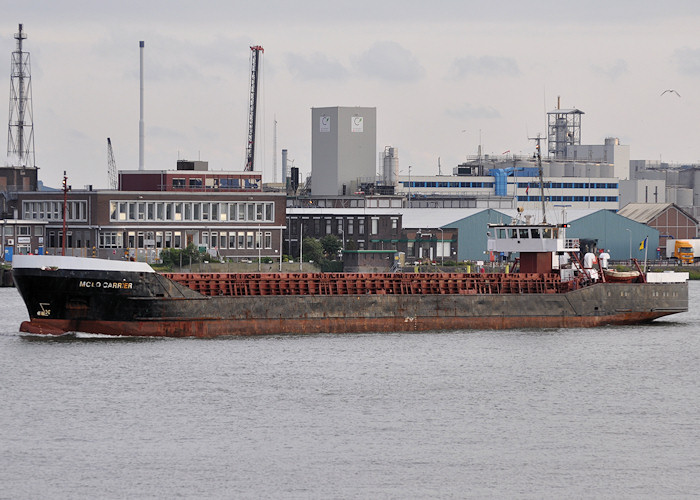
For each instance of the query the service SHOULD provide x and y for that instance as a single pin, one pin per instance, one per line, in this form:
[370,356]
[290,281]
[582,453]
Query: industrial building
[669,219]
[668,183]
[139,224]
[343,149]
[355,193]
[191,176]
[509,188]
[596,229]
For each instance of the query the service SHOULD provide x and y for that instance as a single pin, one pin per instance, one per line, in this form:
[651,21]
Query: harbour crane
[256,50]
[111,166]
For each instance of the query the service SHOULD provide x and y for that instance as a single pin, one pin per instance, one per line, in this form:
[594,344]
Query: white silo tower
[390,166]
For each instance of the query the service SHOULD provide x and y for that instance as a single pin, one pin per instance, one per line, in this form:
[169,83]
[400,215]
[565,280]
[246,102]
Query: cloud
[612,71]
[485,66]
[466,111]
[687,61]
[167,133]
[315,66]
[390,61]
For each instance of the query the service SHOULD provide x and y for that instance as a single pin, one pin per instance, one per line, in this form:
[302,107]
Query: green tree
[312,248]
[169,257]
[174,256]
[191,251]
[331,245]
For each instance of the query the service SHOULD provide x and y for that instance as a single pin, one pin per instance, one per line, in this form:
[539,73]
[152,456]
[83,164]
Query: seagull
[671,91]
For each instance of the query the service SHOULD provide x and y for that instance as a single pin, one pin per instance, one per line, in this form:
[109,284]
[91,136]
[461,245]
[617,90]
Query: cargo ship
[73,294]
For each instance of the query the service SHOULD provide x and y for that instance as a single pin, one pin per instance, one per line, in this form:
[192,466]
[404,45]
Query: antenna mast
[20,133]
[254,64]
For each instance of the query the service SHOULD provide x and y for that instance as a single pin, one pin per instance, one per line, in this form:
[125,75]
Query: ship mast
[537,140]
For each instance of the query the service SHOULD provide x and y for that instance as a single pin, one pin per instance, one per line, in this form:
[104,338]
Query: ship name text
[119,285]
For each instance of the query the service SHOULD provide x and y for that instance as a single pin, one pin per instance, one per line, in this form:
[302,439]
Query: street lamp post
[442,247]
[342,249]
[409,186]
[259,243]
[630,236]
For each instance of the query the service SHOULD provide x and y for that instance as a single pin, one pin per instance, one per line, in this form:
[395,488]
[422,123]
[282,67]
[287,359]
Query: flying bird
[670,91]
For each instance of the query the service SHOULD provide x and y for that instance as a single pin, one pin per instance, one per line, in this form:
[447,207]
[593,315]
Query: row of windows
[525,233]
[421,184]
[599,199]
[569,185]
[79,239]
[330,227]
[442,249]
[24,231]
[53,210]
[522,185]
[242,240]
[191,211]
[215,183]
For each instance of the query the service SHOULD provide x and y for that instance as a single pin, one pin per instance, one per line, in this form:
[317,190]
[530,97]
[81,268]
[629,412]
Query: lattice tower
[20,132]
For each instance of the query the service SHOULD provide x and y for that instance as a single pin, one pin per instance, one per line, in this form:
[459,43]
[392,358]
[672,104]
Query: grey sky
[441,74]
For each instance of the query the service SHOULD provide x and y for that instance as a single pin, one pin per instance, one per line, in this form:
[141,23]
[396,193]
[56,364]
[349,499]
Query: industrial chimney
[141,126]
[284,167]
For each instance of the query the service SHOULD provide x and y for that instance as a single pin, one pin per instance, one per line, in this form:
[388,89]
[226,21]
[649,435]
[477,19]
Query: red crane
[254,64]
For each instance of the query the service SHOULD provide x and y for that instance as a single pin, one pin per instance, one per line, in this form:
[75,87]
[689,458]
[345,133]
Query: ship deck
[258,284]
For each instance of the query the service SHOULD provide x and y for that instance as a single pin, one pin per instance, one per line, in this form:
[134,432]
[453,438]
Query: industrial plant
[357,191]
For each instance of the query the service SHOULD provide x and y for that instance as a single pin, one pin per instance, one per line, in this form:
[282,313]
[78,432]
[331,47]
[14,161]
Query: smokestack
[141,126]
[284,166]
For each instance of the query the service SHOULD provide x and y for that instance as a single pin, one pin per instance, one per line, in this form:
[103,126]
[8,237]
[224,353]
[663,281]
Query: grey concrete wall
[343,148]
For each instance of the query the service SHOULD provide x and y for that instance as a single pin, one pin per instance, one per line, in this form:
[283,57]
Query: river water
[609,412]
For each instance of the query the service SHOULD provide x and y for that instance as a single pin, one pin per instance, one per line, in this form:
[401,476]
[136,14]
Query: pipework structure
[20,132]
[564,129]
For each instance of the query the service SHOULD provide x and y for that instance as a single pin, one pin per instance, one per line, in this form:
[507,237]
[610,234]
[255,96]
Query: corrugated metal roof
[562,111]
[555,215]
[439,217]
[436,217]
[643,212]
[410,217]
